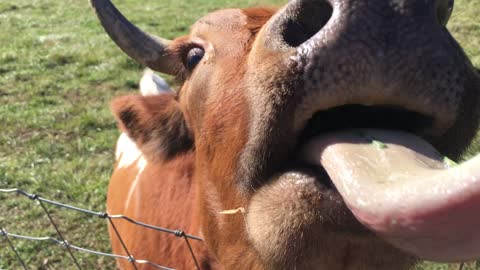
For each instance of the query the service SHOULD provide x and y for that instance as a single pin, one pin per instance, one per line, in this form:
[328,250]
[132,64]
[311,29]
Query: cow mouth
[365,117]
[352,118]
[379,162]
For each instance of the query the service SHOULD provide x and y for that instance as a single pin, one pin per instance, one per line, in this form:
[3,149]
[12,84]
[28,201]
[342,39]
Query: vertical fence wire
[65,243]
[3,233]
[131,259]
[182,234]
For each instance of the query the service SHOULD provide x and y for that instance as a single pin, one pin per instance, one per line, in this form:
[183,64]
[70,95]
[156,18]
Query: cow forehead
[226,20]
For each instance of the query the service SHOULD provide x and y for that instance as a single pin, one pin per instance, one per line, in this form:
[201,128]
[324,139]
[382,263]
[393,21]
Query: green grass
[58,72]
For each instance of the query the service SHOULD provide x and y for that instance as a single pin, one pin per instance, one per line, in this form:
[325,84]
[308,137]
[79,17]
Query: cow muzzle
[372,85]
[395,53]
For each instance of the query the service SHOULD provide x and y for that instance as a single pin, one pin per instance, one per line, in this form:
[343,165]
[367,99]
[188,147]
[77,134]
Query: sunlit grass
[58,72]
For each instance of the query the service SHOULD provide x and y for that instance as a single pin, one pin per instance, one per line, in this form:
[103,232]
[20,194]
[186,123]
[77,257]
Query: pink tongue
[398,185]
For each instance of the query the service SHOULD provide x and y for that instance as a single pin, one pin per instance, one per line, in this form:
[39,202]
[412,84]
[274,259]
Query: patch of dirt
[4,93]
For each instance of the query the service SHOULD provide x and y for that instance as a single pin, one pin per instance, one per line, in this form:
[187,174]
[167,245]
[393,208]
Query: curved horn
[144,48]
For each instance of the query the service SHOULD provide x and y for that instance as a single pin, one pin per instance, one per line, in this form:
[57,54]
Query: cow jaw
[394,183]
[297,222]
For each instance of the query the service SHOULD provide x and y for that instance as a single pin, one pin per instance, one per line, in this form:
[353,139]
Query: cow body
[264,151]
[143,184]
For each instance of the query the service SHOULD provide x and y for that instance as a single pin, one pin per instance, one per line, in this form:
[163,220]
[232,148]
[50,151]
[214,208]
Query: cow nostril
[307,19]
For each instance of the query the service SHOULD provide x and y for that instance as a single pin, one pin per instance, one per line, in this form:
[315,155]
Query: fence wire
[70,247]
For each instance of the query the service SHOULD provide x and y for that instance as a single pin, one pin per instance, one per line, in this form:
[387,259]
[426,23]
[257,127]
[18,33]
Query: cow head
[265,100]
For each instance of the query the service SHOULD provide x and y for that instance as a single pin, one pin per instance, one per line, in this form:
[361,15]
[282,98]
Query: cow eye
[194,56]
[444,10]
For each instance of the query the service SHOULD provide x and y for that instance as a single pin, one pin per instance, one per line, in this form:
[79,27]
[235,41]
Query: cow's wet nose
[395,53]
[301,20]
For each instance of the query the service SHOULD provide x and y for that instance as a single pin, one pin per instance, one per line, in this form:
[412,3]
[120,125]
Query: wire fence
[70,247]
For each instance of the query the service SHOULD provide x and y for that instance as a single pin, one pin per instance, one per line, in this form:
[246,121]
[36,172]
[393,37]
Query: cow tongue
[398,186]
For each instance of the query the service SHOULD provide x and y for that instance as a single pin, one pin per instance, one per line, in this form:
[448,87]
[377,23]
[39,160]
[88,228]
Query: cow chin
[297,222]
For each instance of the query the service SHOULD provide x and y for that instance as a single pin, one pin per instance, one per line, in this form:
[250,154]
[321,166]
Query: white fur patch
[141,164]
[152,84]
[127,152]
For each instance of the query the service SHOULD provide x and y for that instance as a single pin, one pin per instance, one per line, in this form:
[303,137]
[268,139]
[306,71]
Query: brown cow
[316,122]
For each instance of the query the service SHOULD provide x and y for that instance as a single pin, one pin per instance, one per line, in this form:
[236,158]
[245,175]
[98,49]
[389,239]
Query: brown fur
[156,124]
[157,187]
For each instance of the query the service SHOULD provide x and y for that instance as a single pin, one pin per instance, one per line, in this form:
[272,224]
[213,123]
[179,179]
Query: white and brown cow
[322,121]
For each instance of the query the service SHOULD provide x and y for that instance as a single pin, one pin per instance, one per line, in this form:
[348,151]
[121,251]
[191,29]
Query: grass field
[58,72]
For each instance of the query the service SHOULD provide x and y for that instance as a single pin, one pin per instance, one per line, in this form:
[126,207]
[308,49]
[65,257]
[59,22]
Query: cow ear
[155,123]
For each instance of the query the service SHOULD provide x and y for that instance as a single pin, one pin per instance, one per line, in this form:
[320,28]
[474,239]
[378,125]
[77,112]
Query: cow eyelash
[183,71]
[186,51]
